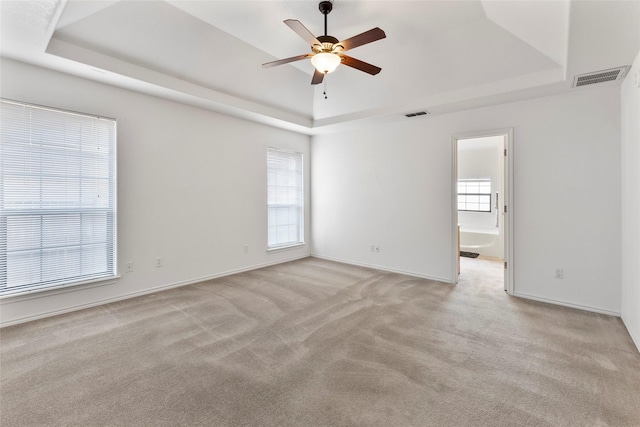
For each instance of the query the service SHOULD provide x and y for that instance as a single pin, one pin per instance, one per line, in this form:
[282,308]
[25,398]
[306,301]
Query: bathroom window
[474,195]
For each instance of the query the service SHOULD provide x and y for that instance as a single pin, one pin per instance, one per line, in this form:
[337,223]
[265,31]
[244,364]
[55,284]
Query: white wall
[385,185]
[391,185]
[631,202]
[191,188]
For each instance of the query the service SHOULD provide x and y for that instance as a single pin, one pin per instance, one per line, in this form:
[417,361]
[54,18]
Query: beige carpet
[318,343]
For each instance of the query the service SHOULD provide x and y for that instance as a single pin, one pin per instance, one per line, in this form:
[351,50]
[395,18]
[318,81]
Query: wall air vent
[613,74]
[419,113]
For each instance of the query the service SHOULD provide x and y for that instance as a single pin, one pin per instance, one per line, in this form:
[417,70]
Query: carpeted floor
[318,343]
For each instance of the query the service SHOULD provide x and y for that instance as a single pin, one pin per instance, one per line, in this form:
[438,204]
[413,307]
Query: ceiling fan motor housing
[329,44]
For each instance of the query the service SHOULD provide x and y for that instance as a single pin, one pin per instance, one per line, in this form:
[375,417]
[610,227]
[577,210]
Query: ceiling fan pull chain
[325,86]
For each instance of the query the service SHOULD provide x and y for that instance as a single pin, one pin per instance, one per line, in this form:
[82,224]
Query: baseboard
[378,267]
[516,294]
[141,293]
[634,338]
[567,304]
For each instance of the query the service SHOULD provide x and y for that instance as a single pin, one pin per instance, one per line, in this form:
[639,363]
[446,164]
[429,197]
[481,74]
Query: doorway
[482,193]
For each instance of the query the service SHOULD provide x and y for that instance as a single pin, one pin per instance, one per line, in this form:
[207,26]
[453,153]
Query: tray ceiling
[438,56]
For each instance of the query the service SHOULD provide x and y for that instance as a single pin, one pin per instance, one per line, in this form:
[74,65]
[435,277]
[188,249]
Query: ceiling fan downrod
[325,8]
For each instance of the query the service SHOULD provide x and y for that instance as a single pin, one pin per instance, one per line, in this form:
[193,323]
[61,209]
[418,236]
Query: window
[284,199]
[57,198]
[474,195]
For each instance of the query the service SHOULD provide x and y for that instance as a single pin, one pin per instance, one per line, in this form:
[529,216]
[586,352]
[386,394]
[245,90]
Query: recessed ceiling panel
[476,54]
[157,36]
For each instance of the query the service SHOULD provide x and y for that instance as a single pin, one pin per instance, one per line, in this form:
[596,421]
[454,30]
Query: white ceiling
[439,56]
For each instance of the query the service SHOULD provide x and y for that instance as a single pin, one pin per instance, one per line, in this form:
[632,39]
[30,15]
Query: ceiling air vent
[419,113]
[600,76]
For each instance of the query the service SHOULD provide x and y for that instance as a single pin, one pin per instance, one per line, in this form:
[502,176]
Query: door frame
[507,203]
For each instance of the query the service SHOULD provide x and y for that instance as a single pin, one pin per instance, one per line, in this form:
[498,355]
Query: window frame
[75,211]
[300,241]
[479,181]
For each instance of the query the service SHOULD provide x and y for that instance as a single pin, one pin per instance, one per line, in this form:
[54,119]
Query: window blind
[57,198]
[285,198]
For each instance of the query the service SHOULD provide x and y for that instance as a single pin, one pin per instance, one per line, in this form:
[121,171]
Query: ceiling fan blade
[360,65]
[363,38]
[317,77]
[302,31]
[285,61]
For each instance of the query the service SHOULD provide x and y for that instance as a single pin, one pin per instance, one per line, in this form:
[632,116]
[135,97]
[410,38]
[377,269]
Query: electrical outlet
[159,262]
[377,248]
[558,273]
[128,267]
[245,248]
[372,248]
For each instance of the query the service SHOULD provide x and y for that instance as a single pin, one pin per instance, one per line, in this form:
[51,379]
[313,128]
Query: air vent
[419,113]
[600,76]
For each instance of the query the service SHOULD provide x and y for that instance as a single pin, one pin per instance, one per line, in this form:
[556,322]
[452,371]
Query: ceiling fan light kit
[327,51]
[326,62]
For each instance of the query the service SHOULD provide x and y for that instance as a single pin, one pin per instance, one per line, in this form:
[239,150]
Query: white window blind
[285,198]
[57,198]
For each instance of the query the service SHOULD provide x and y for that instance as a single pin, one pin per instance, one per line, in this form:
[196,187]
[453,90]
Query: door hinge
[505,152]
[505,265]
[505,208]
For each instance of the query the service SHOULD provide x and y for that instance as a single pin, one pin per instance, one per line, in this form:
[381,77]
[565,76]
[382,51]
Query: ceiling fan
[326,51]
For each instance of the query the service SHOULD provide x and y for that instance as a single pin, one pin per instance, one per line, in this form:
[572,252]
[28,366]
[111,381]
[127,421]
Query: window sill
[55,290]
[284,248]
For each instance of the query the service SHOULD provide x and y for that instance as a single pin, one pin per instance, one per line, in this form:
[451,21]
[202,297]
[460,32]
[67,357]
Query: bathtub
[485,241]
